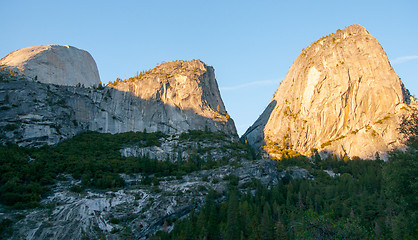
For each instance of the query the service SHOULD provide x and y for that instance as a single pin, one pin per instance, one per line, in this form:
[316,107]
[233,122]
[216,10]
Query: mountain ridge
[110,182]
[334,90]
[35,113]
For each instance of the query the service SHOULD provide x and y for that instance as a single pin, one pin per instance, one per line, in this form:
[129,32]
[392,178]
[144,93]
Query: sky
[251,44]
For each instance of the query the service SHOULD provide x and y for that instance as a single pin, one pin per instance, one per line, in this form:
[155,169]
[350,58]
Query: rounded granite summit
[55,64]
[340,96]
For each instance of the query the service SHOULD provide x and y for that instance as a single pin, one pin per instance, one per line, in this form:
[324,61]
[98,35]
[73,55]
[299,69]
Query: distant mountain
[61,65]
[341,96]
[171,98]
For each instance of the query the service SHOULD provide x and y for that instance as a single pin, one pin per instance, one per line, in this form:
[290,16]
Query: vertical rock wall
[341,96]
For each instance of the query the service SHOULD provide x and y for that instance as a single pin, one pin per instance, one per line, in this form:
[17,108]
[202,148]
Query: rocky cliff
[141,211]
[188,96]
[340,96]
[61,65]
[172,98]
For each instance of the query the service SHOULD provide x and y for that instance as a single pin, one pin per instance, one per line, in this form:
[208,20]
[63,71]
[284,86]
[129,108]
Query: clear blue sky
[251,44]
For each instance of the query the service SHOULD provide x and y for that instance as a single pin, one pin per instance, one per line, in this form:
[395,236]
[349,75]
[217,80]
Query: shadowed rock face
[341,95]
[165,99]
[61,65]
[255,134]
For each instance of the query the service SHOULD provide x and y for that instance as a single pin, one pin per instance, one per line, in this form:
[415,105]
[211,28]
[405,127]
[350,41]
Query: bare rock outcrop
[55,64]
[188,96]
[172,98]
[141,211]
[340,96]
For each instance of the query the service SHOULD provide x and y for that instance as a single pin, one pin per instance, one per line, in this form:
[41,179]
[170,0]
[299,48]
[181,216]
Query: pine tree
[300,202]
[280,233]
[232,229]
[213,224]
[267,226]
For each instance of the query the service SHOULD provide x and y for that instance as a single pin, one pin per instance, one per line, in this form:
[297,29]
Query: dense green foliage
[26,174]
[365,200]
[358,204]
[198,135]
[6,228]
[330,207]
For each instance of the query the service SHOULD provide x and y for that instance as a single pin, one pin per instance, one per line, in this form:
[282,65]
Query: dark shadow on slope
[35,114]
[255,134]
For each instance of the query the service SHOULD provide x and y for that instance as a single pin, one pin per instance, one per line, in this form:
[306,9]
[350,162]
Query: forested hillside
[343,199]
[94,158]
[354,199]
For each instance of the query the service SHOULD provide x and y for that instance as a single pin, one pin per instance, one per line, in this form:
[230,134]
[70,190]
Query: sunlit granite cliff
[340,96]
